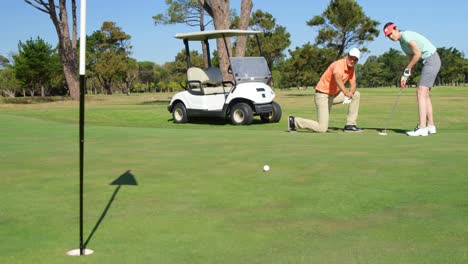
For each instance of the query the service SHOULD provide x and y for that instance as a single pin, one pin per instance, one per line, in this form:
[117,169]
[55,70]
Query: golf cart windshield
[250,69]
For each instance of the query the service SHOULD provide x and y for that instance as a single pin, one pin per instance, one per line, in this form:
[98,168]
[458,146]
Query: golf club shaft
[393,109]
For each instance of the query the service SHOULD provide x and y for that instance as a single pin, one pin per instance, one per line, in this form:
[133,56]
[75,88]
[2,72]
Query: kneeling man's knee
[322,129]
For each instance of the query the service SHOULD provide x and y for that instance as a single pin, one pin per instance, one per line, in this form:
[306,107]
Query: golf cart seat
[210,80]
[197,75]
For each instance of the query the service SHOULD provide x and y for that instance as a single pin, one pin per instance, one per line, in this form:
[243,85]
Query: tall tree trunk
[31,89]
[67,46]
[68,50]
[207,7]
[220,10]
[204,48]
[129,85]
[244,20]
[108,86]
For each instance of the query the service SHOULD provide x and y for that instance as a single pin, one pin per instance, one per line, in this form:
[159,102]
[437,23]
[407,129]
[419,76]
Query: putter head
[383,133]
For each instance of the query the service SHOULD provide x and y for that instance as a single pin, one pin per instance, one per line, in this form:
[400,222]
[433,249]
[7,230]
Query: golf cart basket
[250,69]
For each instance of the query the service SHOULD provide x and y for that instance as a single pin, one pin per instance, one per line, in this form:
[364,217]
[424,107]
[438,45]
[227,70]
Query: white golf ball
[266,168]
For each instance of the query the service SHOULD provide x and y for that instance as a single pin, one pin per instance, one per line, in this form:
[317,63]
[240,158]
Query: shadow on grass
[395,130]
[156,102]
[125,179]
[216,121]
[377,129]
[340,129]
[35,100]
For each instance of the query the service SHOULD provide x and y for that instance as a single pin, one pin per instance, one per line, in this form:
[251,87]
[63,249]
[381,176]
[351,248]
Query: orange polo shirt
[327,83]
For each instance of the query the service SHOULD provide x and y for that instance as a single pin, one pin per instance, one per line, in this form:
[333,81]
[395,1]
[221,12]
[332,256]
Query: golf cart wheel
[274,116]
[179,113]
[241,114]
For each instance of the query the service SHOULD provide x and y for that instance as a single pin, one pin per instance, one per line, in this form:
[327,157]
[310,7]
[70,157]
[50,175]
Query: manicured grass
[201,195]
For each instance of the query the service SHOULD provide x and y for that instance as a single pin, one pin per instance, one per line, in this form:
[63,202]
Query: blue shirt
[424,45]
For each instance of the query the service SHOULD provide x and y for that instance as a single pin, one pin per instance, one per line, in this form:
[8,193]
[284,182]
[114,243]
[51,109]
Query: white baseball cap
[355,52]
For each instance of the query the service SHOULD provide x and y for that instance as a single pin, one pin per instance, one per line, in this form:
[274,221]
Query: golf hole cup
[266,168]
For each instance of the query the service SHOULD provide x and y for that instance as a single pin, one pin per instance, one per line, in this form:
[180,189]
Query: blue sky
[445,23]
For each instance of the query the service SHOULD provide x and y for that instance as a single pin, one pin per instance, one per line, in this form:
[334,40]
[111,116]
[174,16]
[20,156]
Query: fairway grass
[202,197]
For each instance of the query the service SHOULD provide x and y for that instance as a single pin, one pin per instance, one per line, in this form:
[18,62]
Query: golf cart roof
[214,34]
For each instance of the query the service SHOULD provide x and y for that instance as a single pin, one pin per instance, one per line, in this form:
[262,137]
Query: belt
[318,91]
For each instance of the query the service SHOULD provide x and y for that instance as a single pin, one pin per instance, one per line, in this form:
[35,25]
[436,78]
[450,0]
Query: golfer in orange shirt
[331,90]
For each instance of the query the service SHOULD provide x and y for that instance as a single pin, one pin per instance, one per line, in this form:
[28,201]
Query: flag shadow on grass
[395,130]
[126,178]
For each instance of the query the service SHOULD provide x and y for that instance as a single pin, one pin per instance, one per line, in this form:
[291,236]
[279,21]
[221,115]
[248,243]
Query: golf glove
[404,78]
[407,73]
[347,100]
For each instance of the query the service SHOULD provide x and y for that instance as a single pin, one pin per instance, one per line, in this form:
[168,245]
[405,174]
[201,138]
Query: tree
[146,72]
[344,25]
[371,73]
[4,62]
[465,71]
[180,63]
[304,66]
[35,64]
[275,38]
[393,63]
[185,11]
[109,50]
[178,68]
[161,73]
[67,45]
[452,68]
[189,12]
[130,74]
[243,23]
[8,82]
[219,11]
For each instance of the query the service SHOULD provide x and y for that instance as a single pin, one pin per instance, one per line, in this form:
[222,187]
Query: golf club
[384,132]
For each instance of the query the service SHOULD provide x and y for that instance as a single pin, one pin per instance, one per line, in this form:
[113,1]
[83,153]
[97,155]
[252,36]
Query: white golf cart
[208,95]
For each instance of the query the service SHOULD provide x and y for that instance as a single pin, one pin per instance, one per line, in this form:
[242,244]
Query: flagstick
[82,250]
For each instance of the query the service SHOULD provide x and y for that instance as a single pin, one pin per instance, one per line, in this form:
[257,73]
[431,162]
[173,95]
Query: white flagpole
[83,38]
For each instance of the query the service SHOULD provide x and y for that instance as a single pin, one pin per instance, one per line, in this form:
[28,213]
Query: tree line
[38,68]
